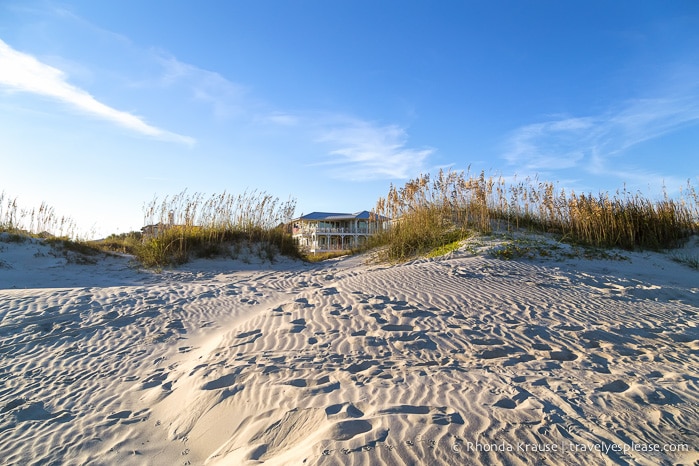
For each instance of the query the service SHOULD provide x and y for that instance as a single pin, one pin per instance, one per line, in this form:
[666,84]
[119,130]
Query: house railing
[348,231]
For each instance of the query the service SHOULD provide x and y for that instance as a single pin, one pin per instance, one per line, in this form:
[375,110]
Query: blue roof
[363,215]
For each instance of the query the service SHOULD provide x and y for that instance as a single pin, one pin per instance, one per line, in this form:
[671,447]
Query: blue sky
[105,104]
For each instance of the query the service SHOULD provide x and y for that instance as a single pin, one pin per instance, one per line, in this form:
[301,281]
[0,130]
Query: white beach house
[325,231]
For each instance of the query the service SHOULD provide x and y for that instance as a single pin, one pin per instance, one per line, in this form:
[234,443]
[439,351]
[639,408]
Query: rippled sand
[463,359]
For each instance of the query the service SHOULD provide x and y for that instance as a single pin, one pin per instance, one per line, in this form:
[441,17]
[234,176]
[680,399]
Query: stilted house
[325,231]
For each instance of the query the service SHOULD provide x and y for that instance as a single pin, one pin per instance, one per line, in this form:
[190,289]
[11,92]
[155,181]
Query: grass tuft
[691,261]
[323,256]
[445,249]
[36,222]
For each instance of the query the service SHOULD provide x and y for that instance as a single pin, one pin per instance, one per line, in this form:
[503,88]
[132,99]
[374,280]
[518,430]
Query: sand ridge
[456,360]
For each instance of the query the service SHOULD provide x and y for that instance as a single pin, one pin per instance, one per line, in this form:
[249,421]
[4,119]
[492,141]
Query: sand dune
[463,359]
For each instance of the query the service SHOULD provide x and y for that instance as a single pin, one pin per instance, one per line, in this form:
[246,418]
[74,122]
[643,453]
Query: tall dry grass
[60,232]
[42,220]
[432,211]
[192,224]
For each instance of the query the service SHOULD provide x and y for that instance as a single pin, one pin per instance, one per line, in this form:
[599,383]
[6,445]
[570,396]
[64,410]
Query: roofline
[320,216]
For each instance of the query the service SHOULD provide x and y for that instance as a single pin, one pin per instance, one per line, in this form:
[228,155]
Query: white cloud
[646,119]
[225,97]
[555,144]
[23,72]
[363,151]
[590,143]
[281,119]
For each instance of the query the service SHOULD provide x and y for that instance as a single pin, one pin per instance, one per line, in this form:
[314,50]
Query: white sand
[441,361]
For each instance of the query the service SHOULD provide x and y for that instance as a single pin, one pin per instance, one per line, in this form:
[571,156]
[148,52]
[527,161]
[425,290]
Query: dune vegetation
[41,221]
[178,228]
[429,215]
[185,226]
[433,212]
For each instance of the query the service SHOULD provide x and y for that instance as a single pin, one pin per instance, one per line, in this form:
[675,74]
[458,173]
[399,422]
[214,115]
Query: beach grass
[19,224]
[191,225]
[445,249]
[38,221]
[430,212]
[323,256]
[123,243]
[430,215]
[183,227]
[691,261]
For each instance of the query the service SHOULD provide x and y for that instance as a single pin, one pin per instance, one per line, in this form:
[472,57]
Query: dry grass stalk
[193,224]
[430,212]
[35,221]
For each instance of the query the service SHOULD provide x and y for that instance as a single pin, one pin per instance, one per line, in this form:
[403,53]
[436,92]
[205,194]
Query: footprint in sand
[397,328]
[224,381]
[412,313]
[616,386]
[563,355]
[322,385]
[438,415]
[343,411]
[301,383]
[487,341]
[33,412]
[500,352]
[361,366]
[598,364]
[519,359]
[515,401]
[12,404]
[415,341]
[302,303]
[177,325]
[506,403]
[444,419]
[345,430]
[154,380]
[298,326]
[120,415]
[250,336]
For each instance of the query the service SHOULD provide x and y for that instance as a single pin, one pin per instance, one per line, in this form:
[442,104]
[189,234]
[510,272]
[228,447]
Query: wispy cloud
[647,119]
[591,143]
[556,144]
[22,72]
[364,151]
[225,97]
[280,119]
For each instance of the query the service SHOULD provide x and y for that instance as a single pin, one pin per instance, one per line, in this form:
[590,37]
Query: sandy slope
[444,361]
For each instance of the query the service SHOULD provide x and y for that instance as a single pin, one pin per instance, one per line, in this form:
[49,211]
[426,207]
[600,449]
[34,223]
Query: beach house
[325,231]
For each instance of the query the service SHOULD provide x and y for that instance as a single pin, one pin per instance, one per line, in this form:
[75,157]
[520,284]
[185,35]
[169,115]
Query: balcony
[335,231]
